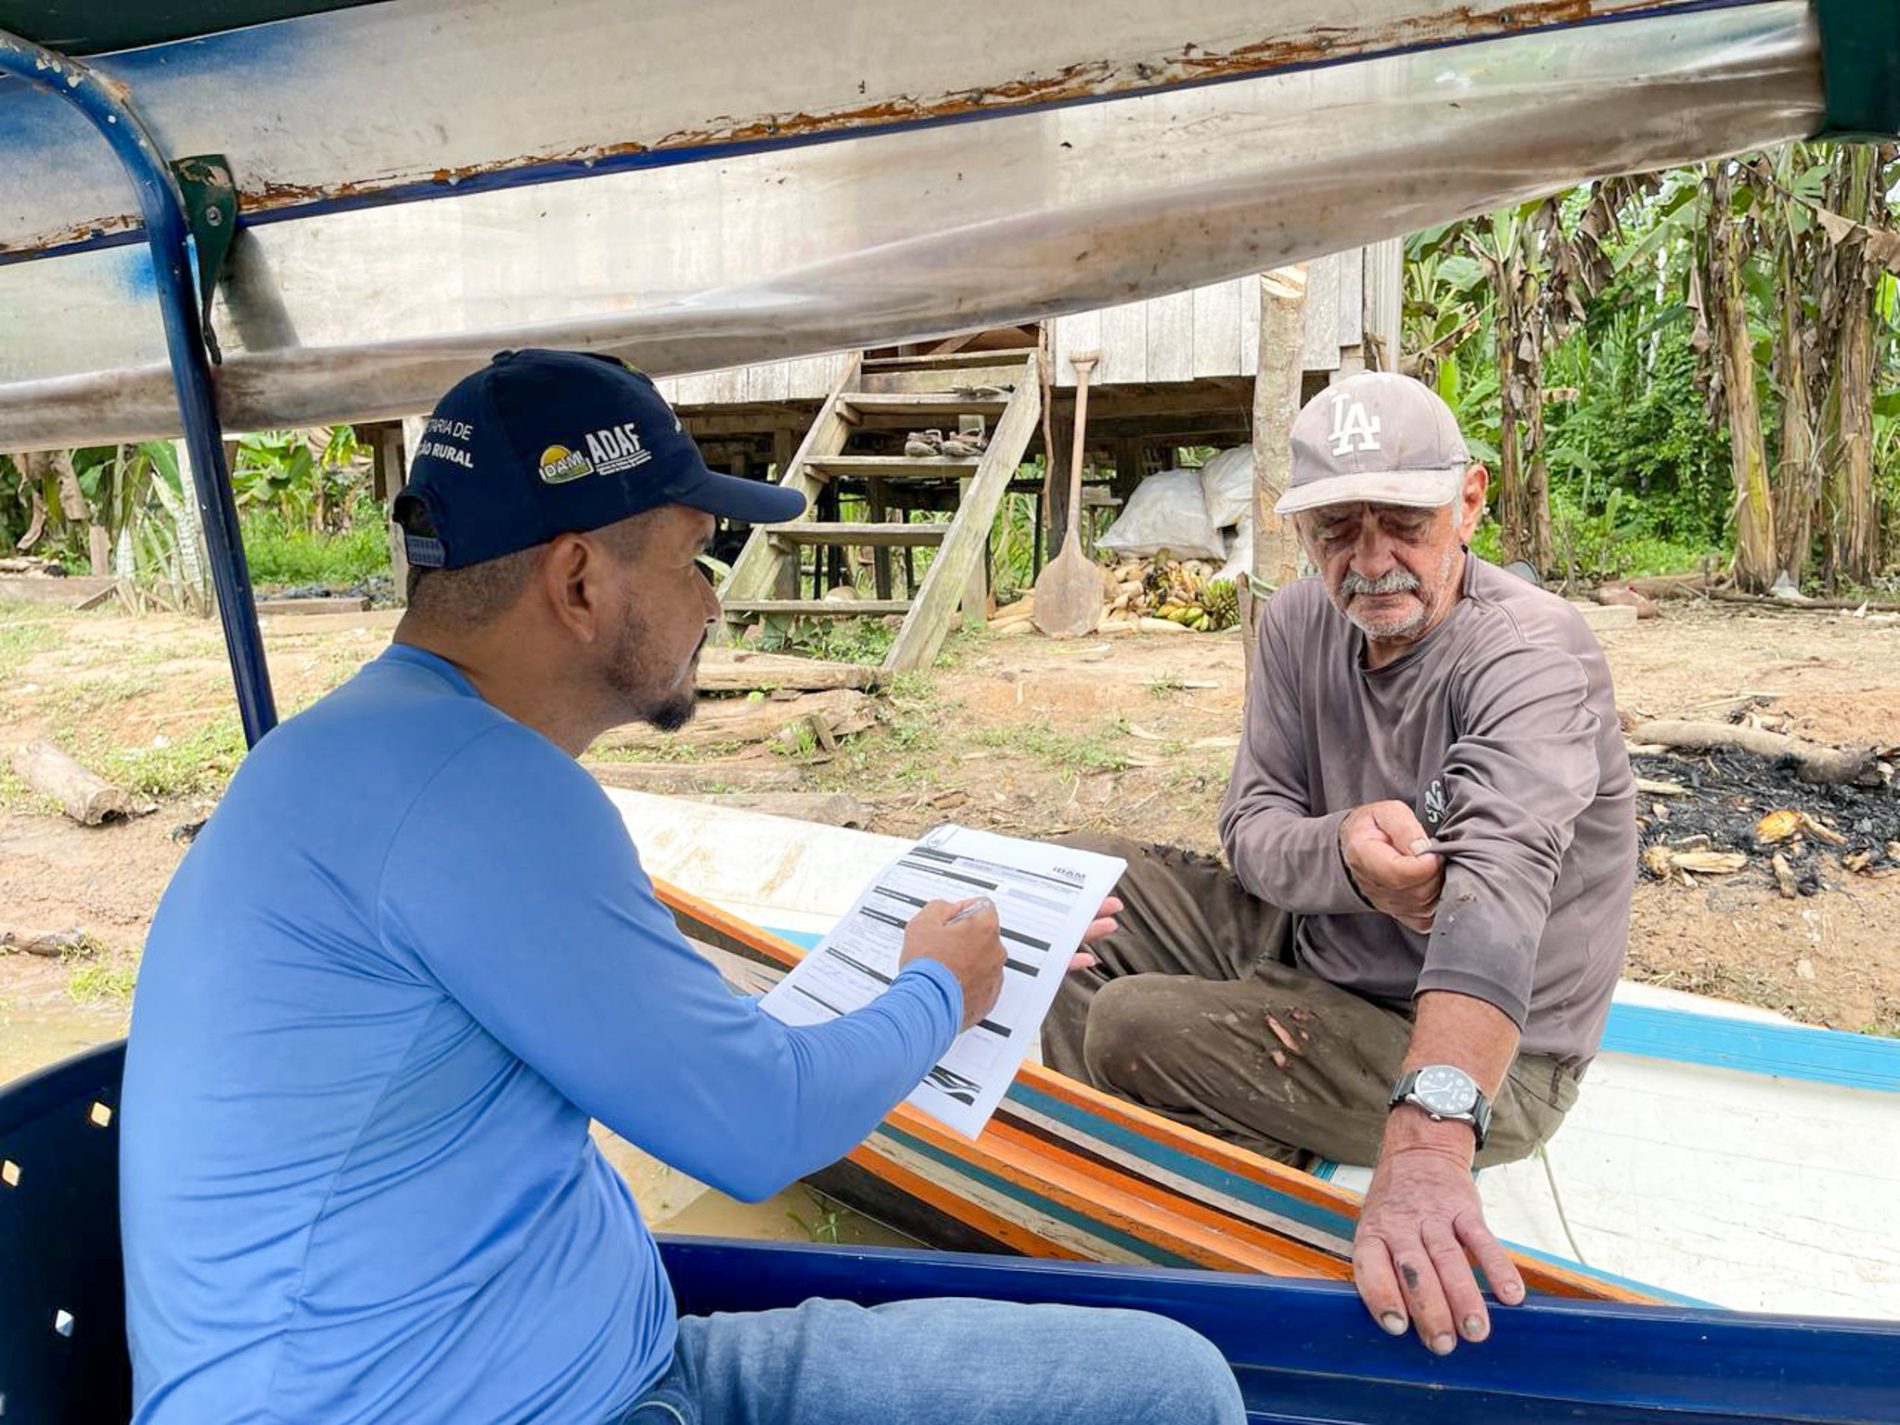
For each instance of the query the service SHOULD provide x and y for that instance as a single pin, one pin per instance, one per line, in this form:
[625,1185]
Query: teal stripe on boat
[1335,1226]
[1147,1251]
[1825,1056]
[1787,1051]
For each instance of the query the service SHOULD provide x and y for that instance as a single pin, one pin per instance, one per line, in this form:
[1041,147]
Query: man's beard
[1394,581]
[631,674]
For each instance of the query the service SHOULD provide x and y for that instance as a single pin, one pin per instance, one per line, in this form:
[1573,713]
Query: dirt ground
[1133,734]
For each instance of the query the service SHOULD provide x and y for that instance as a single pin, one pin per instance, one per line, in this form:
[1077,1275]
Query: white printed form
[1045,898]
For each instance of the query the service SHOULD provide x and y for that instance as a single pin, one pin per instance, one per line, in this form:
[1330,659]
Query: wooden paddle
[1068,593]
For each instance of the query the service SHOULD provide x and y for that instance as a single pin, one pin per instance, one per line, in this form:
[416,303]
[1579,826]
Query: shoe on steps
[923,443]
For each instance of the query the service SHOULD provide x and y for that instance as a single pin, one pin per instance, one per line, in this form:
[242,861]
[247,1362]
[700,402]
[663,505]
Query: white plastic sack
[1227,486]
[1167,511]
[1240,557]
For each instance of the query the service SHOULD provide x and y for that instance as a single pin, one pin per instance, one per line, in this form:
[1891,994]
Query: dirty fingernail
[1510,1293]
[1443,1345]
[1392,1324]
[1474,1328]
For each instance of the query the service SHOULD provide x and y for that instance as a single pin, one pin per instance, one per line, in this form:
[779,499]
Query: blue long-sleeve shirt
[408,958]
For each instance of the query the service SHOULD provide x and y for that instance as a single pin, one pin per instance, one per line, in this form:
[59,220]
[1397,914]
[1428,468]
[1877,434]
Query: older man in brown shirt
[1432,844]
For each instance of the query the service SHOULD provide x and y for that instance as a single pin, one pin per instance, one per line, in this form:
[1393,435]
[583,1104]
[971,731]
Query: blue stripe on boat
[1787,1051]
[1826,1056]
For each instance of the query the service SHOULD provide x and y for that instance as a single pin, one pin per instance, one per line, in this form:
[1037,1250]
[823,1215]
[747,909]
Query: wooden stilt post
[1276,401]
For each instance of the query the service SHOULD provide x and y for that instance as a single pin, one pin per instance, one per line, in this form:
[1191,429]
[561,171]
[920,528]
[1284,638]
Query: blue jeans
[942,1362]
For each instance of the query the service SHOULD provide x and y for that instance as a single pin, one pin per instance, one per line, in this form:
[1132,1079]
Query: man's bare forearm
[1469,1034]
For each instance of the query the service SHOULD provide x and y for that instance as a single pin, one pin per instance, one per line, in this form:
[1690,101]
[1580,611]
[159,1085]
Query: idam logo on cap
[559,465]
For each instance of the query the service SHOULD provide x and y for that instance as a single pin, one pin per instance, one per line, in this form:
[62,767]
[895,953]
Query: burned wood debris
[1731,813]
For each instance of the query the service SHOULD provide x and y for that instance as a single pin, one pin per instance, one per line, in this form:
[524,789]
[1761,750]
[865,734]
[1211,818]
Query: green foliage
[844,640]
[281,551]
[20,640]
[308,479]
[1103,750]
[1638,429]
[1638,471]
[94,984]
[823,1224]
[200,761]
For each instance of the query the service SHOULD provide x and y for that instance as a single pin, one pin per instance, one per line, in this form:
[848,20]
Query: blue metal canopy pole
[106,104]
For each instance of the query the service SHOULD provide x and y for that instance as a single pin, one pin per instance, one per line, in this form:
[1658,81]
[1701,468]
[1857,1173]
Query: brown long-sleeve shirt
[1500,731]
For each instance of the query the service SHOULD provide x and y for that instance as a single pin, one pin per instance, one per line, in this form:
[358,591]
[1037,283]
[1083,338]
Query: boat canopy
[346,208]
[418,183]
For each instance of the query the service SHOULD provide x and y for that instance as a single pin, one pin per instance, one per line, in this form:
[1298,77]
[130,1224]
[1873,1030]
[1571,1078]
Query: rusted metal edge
[1089,81]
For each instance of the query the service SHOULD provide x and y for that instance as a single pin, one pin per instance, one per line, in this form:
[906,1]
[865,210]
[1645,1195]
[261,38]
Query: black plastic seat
[62,1292]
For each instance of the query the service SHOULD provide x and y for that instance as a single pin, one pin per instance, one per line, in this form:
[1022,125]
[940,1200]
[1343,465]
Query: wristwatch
[1445,1091]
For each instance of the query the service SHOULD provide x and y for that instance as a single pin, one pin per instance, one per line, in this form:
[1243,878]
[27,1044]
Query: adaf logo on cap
[559,465]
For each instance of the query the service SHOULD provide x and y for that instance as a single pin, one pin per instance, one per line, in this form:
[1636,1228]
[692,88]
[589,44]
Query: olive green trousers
[1196,1011]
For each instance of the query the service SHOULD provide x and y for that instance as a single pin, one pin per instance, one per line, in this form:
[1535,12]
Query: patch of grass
[201,761]
[901,750]
[93,984]
[152,654]
[671,749]
[961,644]
[844,640]
[797,742]
[1165,686]
[823,1224]
[71,708]
[278,554]
[20,641]
[1098,751]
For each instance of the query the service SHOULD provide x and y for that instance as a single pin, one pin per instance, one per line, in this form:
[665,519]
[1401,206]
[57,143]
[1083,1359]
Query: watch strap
[1479,1117]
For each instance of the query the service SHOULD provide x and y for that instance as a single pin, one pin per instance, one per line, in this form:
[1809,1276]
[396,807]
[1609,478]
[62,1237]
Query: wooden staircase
[877,400]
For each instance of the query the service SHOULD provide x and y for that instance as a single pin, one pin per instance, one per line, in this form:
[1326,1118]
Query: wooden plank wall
[806,379]
[1215,331]
[1209,331]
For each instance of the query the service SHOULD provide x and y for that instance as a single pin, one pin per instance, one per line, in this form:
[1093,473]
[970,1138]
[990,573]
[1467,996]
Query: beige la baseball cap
[1378,437]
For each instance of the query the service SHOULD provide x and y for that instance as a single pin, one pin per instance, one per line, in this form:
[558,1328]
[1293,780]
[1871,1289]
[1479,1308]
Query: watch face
[1443,1089]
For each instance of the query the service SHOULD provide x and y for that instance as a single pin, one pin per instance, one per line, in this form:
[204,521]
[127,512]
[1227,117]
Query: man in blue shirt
[414,952]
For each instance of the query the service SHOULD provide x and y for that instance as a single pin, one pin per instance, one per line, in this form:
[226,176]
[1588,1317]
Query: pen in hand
[981,903]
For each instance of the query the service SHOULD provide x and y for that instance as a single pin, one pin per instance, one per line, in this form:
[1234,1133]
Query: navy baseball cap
[543,443]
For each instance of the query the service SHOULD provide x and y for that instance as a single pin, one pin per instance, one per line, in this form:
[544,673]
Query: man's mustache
[1396,581]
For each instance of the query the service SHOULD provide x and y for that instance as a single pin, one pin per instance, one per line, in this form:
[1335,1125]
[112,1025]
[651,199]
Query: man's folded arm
[513,884]
[1278,848]
[1520,774]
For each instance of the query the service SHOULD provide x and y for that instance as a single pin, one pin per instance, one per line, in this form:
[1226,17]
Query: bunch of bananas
[1181,591]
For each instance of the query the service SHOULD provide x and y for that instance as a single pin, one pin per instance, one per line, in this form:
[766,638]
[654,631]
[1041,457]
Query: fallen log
[1735,596]
[1811,761]
[329,604]
[1670,586]
[1614,595]
[49,943]
[40,589]
[830,715]
[729,670]
[86,798]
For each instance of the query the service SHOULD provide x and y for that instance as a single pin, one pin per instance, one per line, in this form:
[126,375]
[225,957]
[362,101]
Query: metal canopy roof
[101,26]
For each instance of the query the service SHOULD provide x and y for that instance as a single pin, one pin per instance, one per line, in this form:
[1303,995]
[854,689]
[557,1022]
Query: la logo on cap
[1350,423]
